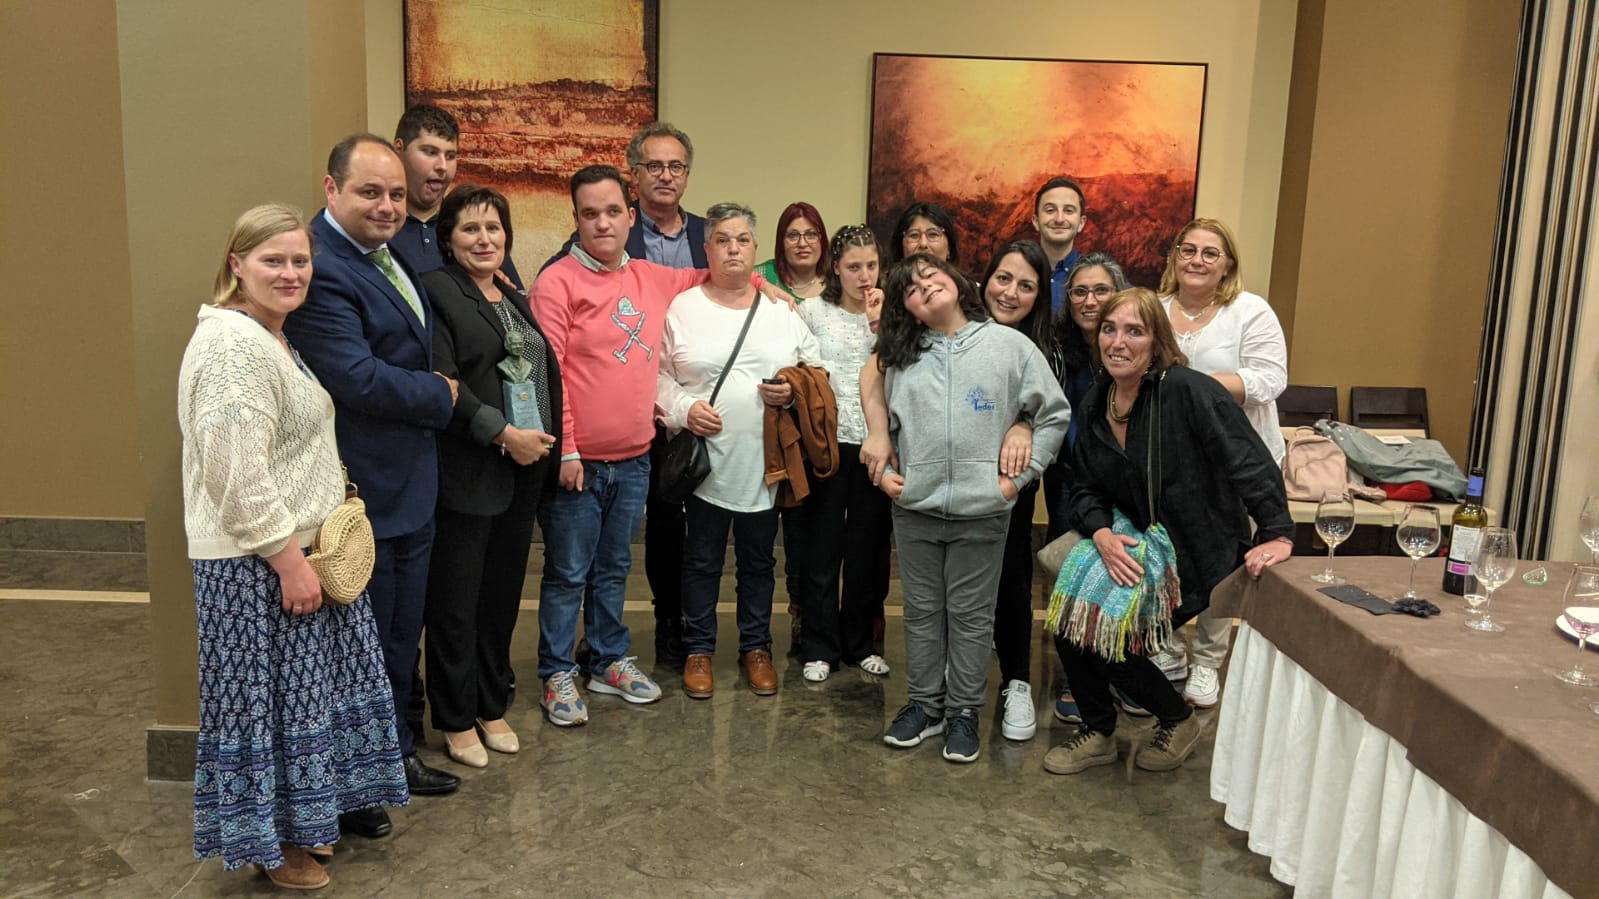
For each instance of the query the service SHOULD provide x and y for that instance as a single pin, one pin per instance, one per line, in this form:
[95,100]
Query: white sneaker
[1019,723]
[1172,664]
[816,671]
[1204,687]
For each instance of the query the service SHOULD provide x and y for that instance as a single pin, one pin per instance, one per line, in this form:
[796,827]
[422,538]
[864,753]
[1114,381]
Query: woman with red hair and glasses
[802,260]
[800,266]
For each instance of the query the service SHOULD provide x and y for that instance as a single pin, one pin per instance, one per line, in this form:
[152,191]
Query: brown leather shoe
[697,680]
[299,870]
[759,672]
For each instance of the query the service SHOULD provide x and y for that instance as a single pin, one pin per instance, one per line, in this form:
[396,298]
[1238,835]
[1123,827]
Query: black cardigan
[1212,475]
[475,478]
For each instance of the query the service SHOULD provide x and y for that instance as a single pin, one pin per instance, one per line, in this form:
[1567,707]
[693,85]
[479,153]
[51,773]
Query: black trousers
[796,547]
[665,529]
[1013,604]
[848,522]
[1091,677]
[474,594]
[1057,492]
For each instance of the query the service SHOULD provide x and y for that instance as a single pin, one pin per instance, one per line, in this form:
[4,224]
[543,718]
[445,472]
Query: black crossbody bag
[686,463]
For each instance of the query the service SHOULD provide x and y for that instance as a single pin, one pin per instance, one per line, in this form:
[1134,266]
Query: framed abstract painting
[541,88]
[978,136]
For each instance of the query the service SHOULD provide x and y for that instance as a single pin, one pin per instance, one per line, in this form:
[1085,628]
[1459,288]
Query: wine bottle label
[1462,546]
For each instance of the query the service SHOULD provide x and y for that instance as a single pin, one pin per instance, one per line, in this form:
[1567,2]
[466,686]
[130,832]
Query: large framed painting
[541,88]
[978,136]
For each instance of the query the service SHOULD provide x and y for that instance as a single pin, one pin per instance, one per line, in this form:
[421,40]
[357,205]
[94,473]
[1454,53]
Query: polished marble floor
[790,795]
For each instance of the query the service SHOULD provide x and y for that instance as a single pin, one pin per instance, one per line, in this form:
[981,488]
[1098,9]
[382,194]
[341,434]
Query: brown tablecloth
[1480,714]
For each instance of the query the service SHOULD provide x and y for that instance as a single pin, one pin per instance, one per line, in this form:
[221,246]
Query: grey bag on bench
[1422,459]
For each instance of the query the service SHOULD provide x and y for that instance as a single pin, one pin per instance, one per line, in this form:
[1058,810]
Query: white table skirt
[1335,803]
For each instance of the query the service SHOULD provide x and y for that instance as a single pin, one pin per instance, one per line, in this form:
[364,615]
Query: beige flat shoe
[498,736]
[470,754]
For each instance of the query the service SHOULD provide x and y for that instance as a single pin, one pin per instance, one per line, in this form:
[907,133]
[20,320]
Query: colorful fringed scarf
[1092,611]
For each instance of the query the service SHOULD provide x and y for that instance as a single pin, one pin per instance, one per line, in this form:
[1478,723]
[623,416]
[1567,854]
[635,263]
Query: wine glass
[1418,534]
[1582,616]
[1335,521]
[1588,526]
[1494,563]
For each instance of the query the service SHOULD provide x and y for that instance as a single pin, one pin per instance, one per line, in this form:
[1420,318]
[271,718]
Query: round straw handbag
[344,550]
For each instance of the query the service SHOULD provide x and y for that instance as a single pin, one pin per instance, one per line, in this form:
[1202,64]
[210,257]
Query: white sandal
[874,664]
[816,672]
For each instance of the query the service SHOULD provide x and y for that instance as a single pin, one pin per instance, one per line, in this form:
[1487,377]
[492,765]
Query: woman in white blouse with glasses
[1233,336]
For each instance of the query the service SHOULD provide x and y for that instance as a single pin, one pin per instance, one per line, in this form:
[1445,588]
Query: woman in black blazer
[492,474]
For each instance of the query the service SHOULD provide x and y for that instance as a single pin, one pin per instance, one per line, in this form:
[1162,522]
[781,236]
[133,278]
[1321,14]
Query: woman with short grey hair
[703,325]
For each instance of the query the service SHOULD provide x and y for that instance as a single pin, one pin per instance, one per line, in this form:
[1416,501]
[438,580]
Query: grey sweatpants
[950,571]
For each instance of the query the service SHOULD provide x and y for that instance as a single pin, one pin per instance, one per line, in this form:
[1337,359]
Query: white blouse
[699,337]
[1245,338]
[846,341]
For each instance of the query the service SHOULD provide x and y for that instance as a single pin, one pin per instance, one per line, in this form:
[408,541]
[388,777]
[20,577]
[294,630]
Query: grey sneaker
[1171,745]
[1081,751]
[1173,664]
[622,678]
[561,702]
[911,726]
[960,741]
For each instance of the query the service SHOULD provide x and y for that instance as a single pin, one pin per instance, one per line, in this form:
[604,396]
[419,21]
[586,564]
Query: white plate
[1564,628]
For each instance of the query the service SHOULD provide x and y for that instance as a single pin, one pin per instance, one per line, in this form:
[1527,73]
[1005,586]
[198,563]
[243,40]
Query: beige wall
[779,105]
[1390,199]
[762,153]
[225,105]
[769,130]
[158,123]
[68,446]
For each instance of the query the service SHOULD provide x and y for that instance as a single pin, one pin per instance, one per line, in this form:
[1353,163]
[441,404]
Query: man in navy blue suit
[366,331]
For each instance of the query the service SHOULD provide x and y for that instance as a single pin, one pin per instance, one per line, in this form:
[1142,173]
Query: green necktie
[385,262]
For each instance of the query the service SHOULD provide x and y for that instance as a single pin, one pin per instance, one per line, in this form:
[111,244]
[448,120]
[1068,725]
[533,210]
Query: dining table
[1394,755]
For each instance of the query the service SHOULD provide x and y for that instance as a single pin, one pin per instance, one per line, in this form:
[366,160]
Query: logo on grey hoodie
[979,400]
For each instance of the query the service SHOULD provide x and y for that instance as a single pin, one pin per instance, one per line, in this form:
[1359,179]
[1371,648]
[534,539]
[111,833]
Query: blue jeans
[588,552]
[753,536]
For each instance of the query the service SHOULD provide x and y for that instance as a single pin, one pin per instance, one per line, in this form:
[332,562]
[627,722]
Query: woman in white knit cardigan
[296,716]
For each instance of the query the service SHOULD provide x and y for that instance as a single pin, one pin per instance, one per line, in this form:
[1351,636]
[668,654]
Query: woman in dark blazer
[492,473]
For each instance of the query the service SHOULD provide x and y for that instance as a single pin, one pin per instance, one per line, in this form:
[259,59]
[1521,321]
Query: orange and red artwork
[978,137]
[541,88]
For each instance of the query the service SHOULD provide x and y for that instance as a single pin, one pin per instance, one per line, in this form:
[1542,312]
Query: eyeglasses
[1099,292]
[1209,254]
[801,237]
[930,234]
[657,167]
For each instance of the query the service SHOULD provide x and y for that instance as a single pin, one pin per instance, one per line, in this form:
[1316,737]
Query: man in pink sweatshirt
[603,314]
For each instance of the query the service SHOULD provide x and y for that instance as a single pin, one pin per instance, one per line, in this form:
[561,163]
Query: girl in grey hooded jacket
[954,382]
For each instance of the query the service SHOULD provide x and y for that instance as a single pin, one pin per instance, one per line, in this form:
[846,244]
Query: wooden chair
[1388,407]
[1299,404]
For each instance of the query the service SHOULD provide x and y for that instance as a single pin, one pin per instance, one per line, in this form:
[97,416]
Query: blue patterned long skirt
[296,717]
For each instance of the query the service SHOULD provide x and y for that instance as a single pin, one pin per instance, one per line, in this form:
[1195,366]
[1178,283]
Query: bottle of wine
[1470,518]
